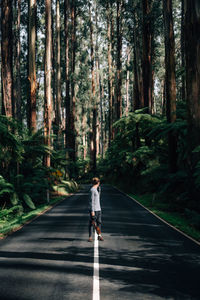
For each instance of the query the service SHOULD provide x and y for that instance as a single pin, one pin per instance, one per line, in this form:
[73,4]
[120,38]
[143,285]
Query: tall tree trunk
[84,139]
[58,75]
[54,68]
[98,91]
[17,53]
[136,99]
[119,63]
[110,77]
[138,95]
[147,54]
[93,133]
[48,67]
[67,97]
[113,65]
[32,66]
[163,91]
[72,136]
[153,104]
[192,53]
[100,147]
[183,87]
[101,118]
[127,80]
[6,56]
[170,81]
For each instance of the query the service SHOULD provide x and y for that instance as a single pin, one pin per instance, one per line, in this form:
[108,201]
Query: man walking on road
[95,208]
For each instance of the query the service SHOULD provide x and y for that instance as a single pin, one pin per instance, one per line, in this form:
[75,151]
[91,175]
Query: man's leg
[98,220]
[90,227]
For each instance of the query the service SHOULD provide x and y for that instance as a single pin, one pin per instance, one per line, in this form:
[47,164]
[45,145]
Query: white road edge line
[96,291]
[170,225]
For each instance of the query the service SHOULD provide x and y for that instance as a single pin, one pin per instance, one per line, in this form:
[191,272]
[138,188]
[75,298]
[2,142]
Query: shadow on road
[144,257]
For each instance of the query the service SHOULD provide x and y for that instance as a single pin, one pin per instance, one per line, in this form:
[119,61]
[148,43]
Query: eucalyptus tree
[93,132]
[170,81]
[83,83]
[183,86]
[7,57]
[120,4]
[72,129]
[17,62]
[67,74]
[48,93]
[58,121]
[147,37]
[32,123]
[99,82]
[110,75]
[138,99]
[192,29]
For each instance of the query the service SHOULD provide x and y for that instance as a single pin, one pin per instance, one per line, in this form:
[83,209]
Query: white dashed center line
[96,291]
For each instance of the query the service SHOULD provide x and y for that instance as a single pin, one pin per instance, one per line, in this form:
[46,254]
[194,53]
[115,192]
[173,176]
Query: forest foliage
[108,88]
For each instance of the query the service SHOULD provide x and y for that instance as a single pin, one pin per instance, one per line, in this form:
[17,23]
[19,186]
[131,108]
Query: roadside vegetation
[27,186]
[187,222]
[138,163]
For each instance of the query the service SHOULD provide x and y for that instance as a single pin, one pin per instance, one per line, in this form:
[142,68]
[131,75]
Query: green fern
[12,210]
[5,187]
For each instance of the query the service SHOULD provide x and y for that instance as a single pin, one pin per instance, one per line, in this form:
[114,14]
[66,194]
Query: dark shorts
[97,217]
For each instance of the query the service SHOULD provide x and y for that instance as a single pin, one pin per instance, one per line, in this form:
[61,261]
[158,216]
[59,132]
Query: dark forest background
[106,88]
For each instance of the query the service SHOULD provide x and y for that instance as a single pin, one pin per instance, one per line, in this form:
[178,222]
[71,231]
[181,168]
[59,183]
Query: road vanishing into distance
[141,257]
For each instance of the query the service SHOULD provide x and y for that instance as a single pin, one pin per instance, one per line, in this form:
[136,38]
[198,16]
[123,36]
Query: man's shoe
[100,238]
[90,239]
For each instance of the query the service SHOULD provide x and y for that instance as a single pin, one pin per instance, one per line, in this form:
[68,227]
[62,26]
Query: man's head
[95,181]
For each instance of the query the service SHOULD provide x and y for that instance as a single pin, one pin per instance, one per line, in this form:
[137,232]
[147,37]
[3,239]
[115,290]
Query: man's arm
[92,202]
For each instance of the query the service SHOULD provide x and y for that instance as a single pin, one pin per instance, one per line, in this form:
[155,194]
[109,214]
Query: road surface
[140,258]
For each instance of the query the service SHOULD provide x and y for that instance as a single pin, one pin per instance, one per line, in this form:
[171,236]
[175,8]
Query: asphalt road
[140,258]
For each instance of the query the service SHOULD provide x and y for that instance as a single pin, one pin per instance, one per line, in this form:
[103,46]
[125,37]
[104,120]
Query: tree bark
[101,118]
[6,56]
[119,63]
[67,97]
[93,133]
[98,89]
[127,80]
[84,139]
[183,87]
[113,65]
[138,94]
[58,75]
[147,54]
[192,53]
[53,73]
[48,93]
[170,81]
[110,77]
[32,66]
[17,54]
[72,136]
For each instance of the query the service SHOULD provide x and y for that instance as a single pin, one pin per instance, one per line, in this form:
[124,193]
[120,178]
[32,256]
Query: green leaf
[4,191]
[28,201]
[197,149]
